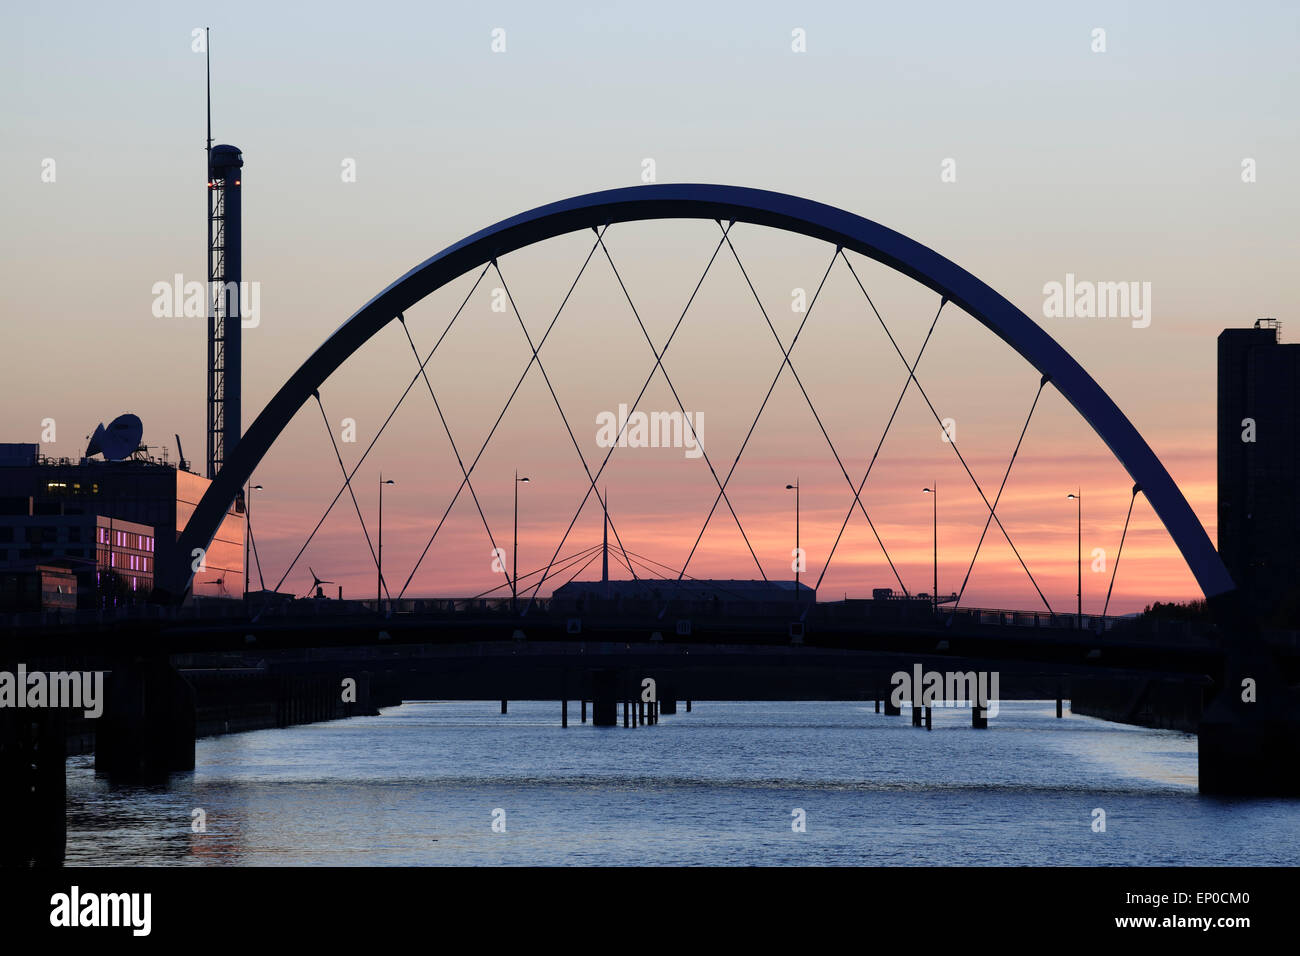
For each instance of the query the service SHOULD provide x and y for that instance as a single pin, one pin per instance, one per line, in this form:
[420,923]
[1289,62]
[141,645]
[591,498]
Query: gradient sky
[1115,166]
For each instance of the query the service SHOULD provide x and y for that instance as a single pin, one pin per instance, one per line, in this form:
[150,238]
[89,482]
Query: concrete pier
[33,787]
[1249,737]
[148,727]
[564,713]
[604,699]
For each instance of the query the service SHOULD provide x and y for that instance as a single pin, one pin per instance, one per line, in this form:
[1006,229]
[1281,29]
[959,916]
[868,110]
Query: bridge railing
[1003,617]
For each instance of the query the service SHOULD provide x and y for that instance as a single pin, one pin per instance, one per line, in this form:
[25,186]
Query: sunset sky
[1122,165]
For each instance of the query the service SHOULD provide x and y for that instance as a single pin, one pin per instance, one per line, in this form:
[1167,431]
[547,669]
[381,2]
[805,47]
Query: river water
[423,784]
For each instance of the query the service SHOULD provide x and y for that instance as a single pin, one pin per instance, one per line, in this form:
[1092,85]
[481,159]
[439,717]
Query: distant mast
[604,561]
[225,270]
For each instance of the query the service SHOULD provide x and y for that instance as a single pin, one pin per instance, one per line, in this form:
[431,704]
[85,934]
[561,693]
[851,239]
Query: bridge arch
[724,203]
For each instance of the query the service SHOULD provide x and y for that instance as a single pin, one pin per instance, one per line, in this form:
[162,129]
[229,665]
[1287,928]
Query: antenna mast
[207,50]
[225,267]
[211,426]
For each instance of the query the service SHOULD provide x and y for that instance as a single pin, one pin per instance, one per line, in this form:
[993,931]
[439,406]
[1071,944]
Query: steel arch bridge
[730,205]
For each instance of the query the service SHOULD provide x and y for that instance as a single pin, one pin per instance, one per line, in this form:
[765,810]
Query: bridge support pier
[688,707]
[1059,712]
[892,709]
[640,713]
[604,699]
[979,717]
[1250,747]
[33,787]
[929,719]
[584,710]
[877,705]
[564,713]
[148,726]
[503,707]
[916,714]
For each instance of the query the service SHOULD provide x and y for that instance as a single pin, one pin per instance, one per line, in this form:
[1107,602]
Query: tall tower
[225,270]
[1259,467]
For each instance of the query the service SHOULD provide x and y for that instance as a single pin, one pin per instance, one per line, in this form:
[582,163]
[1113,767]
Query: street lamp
[935,491]
[797,554]
[514,565]
[379,563]
[248,531]
[1078,498]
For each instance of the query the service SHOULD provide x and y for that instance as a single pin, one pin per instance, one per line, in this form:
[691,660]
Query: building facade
[1258,465]
[112,520]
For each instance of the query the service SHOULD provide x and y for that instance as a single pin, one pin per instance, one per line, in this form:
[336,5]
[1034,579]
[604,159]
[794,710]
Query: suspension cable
[989,520]
[807,398]
[771,388]
[1115,567]
[414,378]
[563,417]
[591,252]
[911,371]
[348,481]
[649,378]
[953,443]
[677,398]
[447,428]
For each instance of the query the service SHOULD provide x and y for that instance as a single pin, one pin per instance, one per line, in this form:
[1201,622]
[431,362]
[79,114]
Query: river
[424,783]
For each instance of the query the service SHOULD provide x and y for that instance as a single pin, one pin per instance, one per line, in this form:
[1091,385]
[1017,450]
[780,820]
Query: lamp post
[379,581]
[1078,498]
[797,555]
[935,491]
[514,562]
[248,531]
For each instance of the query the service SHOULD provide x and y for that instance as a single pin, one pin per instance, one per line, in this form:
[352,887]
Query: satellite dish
[119,440]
